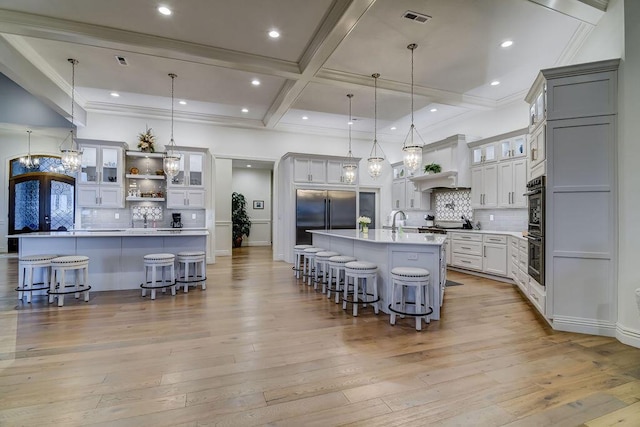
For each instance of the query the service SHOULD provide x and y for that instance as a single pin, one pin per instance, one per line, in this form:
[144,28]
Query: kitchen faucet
[393,220]
[144,217]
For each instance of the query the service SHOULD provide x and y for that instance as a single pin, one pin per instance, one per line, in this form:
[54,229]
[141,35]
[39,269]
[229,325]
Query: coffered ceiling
[326,49]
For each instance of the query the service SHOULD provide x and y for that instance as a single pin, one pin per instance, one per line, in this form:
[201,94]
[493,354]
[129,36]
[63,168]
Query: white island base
[389,250]
[115,257]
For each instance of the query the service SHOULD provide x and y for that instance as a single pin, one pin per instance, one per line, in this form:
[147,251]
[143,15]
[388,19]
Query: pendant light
[29,162]
[412,157]
[350,167]
[172,156]
[71,157]
[376,156]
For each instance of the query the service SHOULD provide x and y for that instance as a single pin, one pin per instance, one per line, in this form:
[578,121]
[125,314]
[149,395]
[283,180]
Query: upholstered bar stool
[61,268]
[191,260]
[28,268]
[164,262]
[309,263]
[365,285]
[298,251]
[322,270]
[336,272]
[403,279]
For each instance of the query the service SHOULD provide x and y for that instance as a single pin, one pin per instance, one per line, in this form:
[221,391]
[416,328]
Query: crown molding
[578,38]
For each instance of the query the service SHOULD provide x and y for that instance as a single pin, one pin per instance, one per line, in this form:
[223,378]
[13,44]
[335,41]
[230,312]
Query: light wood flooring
[259,348]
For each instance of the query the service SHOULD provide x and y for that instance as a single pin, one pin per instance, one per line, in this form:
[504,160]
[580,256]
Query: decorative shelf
[144,199]
[139,176]
[156,155]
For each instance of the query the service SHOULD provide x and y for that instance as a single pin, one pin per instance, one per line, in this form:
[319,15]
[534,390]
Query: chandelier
[412,157]
[28,161]
[71,157]
[172,156]
[376,156]
[350,166]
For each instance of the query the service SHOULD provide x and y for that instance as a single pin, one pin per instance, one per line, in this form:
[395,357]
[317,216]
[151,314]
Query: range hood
[452,154]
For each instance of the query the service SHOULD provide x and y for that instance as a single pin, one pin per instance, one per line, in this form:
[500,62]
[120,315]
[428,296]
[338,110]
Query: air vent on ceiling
[415,16]
[121,60]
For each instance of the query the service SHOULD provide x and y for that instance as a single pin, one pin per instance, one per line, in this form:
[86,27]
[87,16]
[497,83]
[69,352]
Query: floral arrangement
[146,140]
[364,220]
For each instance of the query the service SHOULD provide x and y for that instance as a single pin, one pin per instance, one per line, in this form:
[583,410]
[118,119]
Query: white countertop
[386,236]
[506,233]
[130,232]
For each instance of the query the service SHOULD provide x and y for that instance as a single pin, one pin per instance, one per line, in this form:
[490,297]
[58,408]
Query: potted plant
[239,218]
[432,168]
[146,140]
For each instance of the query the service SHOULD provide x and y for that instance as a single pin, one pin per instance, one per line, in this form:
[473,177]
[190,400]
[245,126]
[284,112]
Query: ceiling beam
[589,11]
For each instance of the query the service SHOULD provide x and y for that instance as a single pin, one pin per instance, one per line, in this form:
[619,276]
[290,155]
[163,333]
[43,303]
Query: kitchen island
[388,250]
[115,256]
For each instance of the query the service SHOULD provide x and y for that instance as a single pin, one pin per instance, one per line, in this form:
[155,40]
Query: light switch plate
[490,217]
[117,215]
[193,216]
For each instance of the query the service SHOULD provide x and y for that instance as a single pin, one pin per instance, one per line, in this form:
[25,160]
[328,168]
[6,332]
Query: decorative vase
[364,228]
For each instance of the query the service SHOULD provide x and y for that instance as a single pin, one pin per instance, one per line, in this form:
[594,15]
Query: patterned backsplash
[451,205]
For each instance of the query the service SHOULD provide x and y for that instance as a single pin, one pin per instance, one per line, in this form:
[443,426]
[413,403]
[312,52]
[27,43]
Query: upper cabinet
[537,104]
[513,148]
[486,153]
[191,172]
[100,180]
[318,169]
[309,170]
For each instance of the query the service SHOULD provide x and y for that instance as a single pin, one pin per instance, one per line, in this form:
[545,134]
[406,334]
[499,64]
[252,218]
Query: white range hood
[452,154]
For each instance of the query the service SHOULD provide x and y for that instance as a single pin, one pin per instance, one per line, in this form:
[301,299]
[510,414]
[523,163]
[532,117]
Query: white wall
[255,184]
[222,217]
[606,41]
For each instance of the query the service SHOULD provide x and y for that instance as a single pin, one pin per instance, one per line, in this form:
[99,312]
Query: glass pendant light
[350,167]
[172,156]
[71,157]
[412,157]
[376,156]
[29,162]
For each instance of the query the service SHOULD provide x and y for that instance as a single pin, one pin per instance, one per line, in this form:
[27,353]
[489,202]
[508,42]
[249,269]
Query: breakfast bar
[115,256]
[388,250]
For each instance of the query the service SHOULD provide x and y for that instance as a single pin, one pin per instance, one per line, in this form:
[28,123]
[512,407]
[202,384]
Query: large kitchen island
[115,256]
[388,250]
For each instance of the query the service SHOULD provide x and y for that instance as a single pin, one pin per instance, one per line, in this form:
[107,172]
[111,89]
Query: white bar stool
[336,270]
[322,260]
[153,262]
[309,263]
[76,264]
[365,285]
[404,278]
[196,260]
[28,267]
[298,251]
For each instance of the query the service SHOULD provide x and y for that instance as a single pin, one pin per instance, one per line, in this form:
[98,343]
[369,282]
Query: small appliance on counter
[177,220]
[429,220]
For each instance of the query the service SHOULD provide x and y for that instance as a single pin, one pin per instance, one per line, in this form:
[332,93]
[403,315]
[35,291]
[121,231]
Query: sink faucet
[393,220]
[144,217]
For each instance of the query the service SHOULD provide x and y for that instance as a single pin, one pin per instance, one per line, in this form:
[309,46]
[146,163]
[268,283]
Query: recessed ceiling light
[165,10]
[495,83]
[305,118]
[255,82]
[115,94]
[245,110]
[349,122]
[182,102]
[393,128]
[274,34]
[248,166]
[506,43]
[433,110]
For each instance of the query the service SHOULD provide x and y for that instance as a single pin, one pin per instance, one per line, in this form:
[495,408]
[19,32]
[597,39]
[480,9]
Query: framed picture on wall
[258,204]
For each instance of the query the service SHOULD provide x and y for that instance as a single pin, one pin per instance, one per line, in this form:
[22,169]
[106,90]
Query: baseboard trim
[584,326]
[223,252]
[259,243]
[628,336]
[481,274]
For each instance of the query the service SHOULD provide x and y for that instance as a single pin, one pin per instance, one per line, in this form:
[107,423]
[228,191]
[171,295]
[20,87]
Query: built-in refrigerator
[323,210]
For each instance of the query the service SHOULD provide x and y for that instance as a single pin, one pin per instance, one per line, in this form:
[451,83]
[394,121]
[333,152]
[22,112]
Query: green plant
[433,168]
[239,218]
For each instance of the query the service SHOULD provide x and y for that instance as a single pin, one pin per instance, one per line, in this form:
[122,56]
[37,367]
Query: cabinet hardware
[465,261]
[96,200]
[464,247]
[484,251]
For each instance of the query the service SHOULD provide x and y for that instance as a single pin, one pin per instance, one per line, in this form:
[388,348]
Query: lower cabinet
[483,252]
[185,199]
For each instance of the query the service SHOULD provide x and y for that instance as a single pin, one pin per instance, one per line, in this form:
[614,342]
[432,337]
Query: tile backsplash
[503,219]
[451,205]
[157,216]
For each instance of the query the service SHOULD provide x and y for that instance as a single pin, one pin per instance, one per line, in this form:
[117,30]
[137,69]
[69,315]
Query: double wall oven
[535,193]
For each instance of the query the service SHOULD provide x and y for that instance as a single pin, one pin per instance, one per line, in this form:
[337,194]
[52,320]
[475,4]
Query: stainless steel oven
[535,193]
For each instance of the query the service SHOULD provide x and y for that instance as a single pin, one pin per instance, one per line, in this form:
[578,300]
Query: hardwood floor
[259,348]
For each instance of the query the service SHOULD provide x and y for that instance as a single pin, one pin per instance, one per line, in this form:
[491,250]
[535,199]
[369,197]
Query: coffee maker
[177,220]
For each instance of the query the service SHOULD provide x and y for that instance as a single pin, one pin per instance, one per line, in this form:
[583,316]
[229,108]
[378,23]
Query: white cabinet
[513,148]
[100,180]
[484,186]
[335,172]
[479,251]
[494,252]
[186,189]
[537,152]
[537,103]
[185,199]
[484,154]
[309,170]
[406,194]
[398,193]
[512,182]
[98,196]
[413,196]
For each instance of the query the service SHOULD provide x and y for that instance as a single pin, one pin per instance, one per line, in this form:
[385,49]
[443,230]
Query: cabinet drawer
[513,242]
[467,237]
[467,261]
[537,295]
[494,238]
[470,248]
[523,260]
[523,244]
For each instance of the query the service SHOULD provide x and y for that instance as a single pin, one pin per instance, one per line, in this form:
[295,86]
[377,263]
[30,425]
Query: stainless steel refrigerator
[323,210]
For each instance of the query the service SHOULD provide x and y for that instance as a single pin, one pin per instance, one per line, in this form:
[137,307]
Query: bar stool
[336,265]
[28,266]
[298,251]
[321,261]
[364,275]
[196,260]
[163,262]
[404,278]
[309,263]
[76,264]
